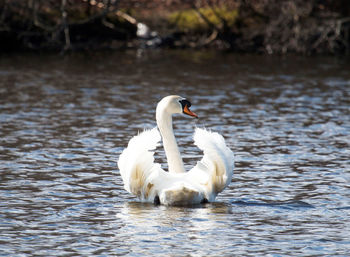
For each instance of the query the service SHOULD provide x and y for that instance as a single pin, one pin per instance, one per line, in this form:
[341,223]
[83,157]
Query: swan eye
[185,103]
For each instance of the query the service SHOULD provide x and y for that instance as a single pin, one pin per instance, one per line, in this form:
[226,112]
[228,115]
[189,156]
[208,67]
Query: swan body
[146,179]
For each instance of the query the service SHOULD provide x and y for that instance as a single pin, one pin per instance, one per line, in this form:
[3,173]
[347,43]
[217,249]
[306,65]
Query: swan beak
[189,112]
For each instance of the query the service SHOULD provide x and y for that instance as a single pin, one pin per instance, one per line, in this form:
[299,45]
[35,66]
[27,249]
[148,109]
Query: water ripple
[65,120]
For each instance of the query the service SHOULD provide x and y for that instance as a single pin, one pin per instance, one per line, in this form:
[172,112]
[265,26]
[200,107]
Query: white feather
[136,163]
[215,170]
[149,182]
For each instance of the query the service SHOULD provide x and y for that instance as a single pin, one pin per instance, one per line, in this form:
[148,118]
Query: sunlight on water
[65,120]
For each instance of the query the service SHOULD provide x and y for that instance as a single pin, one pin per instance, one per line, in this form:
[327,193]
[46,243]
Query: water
[64,120]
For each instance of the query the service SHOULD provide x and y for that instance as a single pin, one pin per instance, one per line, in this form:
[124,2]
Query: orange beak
[189,112]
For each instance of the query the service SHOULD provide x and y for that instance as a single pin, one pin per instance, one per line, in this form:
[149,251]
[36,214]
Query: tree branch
[204,18]
[65,26]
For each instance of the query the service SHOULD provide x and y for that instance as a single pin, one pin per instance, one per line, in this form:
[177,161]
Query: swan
[146,179]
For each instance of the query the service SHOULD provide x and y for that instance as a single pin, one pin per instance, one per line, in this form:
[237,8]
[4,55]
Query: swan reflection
[148,217]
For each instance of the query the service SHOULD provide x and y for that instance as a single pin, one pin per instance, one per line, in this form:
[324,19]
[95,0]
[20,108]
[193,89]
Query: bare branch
[65,25]
[204,18]
[127,17]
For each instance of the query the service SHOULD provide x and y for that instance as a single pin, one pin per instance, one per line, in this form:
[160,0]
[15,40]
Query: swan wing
[147,180]
[137,167]
[214,172]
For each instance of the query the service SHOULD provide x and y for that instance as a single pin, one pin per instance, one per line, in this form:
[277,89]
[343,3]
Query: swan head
[175,104]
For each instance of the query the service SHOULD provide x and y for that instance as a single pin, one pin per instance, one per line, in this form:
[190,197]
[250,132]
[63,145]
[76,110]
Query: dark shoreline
[263,27]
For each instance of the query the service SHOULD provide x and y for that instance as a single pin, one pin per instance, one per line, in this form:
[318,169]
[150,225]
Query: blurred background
[259,26]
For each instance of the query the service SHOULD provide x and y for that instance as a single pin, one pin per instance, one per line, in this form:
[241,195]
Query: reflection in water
[65,120]
[176,228]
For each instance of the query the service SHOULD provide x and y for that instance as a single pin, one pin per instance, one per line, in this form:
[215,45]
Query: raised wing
[137,167]
[214,172]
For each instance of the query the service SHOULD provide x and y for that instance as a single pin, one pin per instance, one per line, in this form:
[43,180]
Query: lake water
[64,120]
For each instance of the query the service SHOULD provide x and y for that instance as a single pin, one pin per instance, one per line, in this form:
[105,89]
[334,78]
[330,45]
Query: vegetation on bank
[262,26]
[191,20]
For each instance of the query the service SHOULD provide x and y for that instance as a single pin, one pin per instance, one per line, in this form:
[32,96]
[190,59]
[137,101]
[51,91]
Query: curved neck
[164,122]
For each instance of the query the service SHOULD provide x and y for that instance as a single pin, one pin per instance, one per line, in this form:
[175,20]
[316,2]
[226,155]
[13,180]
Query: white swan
[150,183]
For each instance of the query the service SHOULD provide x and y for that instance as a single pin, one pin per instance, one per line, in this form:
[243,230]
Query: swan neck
[164,122]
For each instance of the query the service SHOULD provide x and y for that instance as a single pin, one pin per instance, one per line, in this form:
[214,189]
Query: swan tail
[136,164]
[217,164]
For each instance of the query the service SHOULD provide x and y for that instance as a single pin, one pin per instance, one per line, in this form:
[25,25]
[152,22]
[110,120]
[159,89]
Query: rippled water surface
[64,120]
